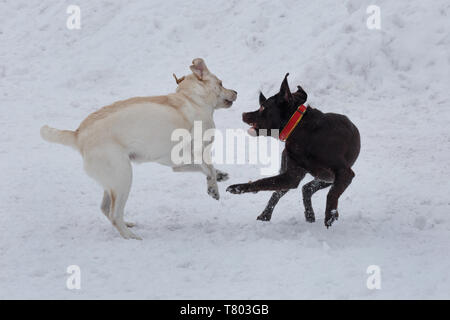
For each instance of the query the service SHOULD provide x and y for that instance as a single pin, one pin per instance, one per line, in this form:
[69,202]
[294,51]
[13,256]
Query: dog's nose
[235,92]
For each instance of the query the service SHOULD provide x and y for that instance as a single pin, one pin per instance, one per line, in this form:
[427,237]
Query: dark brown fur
[324,145]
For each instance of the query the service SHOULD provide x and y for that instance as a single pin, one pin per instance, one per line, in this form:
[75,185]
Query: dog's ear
[262,99]
[178,80]
[300,96]
[199,68]
[285,92]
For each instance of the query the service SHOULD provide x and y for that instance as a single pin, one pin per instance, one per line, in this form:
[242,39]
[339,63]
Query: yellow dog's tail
[65,137]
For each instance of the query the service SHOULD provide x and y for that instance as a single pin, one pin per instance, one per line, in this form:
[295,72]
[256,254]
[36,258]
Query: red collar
[292,123]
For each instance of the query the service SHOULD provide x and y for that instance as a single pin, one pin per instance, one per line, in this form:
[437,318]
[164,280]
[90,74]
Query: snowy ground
[393,83]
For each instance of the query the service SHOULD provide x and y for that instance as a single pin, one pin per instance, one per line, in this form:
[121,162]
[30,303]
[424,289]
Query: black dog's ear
[285,92]
[262,99]
[300,96]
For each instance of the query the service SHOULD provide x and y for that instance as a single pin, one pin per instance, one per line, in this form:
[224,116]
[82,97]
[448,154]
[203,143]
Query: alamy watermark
[374,280]
[73,282]
[231,146]
[373,21]
[74,19]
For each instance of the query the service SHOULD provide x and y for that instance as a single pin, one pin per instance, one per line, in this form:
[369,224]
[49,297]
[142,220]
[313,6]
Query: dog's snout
[234,95]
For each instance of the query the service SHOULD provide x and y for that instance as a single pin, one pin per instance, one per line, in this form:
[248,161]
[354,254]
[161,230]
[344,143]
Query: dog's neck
[293,122]
[197,100]
[290,110]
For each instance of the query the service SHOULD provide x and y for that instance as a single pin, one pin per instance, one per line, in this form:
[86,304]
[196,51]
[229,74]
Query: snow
[393,83]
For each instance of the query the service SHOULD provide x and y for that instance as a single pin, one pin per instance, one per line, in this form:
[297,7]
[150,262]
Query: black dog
[324,145]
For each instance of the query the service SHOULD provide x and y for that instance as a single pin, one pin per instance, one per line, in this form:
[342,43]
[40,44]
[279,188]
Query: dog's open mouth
[228,103]
[253,130]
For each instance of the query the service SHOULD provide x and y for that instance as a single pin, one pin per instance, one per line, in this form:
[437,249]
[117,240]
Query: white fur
[139,129]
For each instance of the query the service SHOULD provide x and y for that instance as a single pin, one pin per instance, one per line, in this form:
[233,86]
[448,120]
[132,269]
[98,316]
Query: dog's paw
[127,234]
[309,216]
[238,188]
[221,176]
[264,217]
[331,217]
[135,237]
[213,192]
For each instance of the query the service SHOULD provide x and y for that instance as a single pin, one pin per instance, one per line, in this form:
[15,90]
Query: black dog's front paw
[238,188]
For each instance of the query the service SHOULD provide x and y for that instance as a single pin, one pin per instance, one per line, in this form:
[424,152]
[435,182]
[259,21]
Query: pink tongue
[251,131]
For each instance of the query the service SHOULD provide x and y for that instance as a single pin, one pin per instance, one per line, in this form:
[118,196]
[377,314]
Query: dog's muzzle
[253,130]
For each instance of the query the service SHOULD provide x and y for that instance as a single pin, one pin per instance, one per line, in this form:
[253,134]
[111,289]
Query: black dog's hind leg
[308,190]
[266,215]
[343,179]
